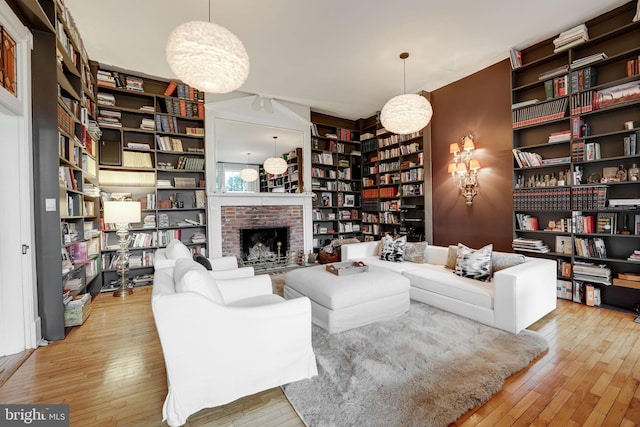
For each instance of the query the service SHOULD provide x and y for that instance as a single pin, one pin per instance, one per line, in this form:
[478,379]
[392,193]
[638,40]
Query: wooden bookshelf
[561,201]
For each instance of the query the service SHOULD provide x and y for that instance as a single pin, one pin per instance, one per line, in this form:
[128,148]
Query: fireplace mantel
[217,201]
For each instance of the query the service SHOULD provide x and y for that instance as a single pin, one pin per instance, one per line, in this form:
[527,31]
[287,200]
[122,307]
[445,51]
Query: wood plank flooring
[111,372]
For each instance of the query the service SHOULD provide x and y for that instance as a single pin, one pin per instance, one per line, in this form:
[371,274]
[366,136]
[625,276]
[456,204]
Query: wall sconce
[464,168]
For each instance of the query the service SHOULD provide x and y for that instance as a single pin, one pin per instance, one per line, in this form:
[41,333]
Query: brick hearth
[235,218]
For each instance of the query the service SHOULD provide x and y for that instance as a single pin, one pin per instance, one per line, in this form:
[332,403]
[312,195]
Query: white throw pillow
[190,276]
[176,249]
[474,264]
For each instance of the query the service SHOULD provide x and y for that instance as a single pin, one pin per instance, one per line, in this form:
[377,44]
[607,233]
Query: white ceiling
[336,56]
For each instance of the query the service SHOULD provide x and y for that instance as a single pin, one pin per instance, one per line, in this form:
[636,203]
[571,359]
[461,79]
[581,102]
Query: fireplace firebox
[265,248]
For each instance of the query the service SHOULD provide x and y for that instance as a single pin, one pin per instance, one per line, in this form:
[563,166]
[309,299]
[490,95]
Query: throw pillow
[176,249]
[190,276]
[201,259]
[415,252]
[501,260]
[393,249]
[451,257]
[475,264]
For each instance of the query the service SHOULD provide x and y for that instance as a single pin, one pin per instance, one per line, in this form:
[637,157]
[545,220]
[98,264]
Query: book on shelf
[560,136]
[529,245]
[606,223]
[515,56]
[539,112]
[554,72]
[581,62]
[570,38]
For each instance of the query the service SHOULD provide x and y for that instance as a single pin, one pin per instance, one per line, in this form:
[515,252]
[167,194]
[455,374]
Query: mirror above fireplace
[238,129]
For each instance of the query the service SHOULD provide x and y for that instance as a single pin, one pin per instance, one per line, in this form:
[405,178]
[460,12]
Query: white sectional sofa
[515,297]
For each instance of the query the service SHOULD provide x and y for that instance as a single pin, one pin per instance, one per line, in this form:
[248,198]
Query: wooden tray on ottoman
[346,268]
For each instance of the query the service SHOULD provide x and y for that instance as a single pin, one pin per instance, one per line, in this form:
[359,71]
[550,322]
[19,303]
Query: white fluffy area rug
[425,368]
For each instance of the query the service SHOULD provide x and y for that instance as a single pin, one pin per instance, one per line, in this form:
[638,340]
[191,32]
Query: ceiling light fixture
[275,165]
[406,113]
[207,56]
[248,174]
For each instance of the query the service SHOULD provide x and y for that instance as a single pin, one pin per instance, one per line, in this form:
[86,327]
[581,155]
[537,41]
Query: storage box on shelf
[152,149]
[335,180]
[575,172]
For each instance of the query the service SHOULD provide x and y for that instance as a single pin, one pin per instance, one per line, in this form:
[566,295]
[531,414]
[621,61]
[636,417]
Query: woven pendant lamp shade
[249,174]
[275,165]
[207,56]
[404,114]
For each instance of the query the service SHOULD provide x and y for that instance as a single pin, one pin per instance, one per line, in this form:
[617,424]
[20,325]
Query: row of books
[395,139]
[583,102]
[185,108]
[167,143]
[589,247]
[389,218]
[526,222]
[529,159]
[583,79]
[412,190]
[166,123]
[540,198]
[322,159]
[190,163]
[632,67]
[369,217]
[539,112]
[589,198]
[114,79]
[184,91]
[556,87]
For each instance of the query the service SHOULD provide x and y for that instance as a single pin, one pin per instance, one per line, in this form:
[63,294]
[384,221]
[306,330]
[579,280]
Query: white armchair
[223,339]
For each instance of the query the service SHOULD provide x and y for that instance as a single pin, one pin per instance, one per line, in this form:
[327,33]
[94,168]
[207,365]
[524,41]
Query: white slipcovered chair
[223,339]
[223,267]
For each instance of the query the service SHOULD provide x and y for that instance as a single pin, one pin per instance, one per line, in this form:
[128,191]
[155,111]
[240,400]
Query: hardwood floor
[111,373]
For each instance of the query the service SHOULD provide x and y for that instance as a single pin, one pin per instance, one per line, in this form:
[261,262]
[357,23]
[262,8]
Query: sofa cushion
[201,259]
[176,249]
[472,263]
[393,249]
[189,276]
[257,301]
[439,280]
[502,260]
[396,267]
[452,255]
[415,252]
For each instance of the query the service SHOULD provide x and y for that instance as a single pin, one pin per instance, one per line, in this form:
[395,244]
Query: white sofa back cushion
[176,249]
[189,276]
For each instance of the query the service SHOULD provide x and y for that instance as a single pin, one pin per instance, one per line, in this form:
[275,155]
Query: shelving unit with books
[580,188]
[393,185]
[152,150]
[335,180]
[77,166]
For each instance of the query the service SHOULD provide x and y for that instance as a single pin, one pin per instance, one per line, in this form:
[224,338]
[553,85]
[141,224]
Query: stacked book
[635,256]
[134,83]
[581,62]
[109,118]
[106,99]
[198,238]
[561,136]
[628,280]
[106,79]
[589,272]
[554,72]
[147,124]
[570,38]
[529,245]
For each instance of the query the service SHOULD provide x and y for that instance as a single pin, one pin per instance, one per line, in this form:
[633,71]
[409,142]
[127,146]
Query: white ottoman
[339,303]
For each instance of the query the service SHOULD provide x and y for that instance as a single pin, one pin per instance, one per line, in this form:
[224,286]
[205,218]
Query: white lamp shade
[275,165]
[207,56]
[119,212]
[249,174]
[404,114]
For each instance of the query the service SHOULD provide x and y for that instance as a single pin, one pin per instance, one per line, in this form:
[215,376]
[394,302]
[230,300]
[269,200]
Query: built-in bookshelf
[393,184]
[576,184]
[335,180]
[152,150]
[288,182]
[78,199]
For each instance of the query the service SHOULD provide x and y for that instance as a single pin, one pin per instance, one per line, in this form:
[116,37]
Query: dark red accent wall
[480,105]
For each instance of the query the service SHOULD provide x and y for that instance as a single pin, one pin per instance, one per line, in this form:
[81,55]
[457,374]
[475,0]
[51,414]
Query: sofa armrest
[224,263]
[236,273]
[240,288]
[524,294]
[359,250]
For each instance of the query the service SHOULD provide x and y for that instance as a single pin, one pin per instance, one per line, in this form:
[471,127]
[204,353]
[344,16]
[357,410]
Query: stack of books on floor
[589,272]
[529,245]
[570,38]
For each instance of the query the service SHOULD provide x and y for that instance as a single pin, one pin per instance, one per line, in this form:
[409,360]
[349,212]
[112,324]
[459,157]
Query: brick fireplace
[236,218]
[229,213]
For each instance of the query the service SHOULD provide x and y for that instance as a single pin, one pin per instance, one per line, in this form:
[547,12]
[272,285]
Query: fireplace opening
[265,248]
